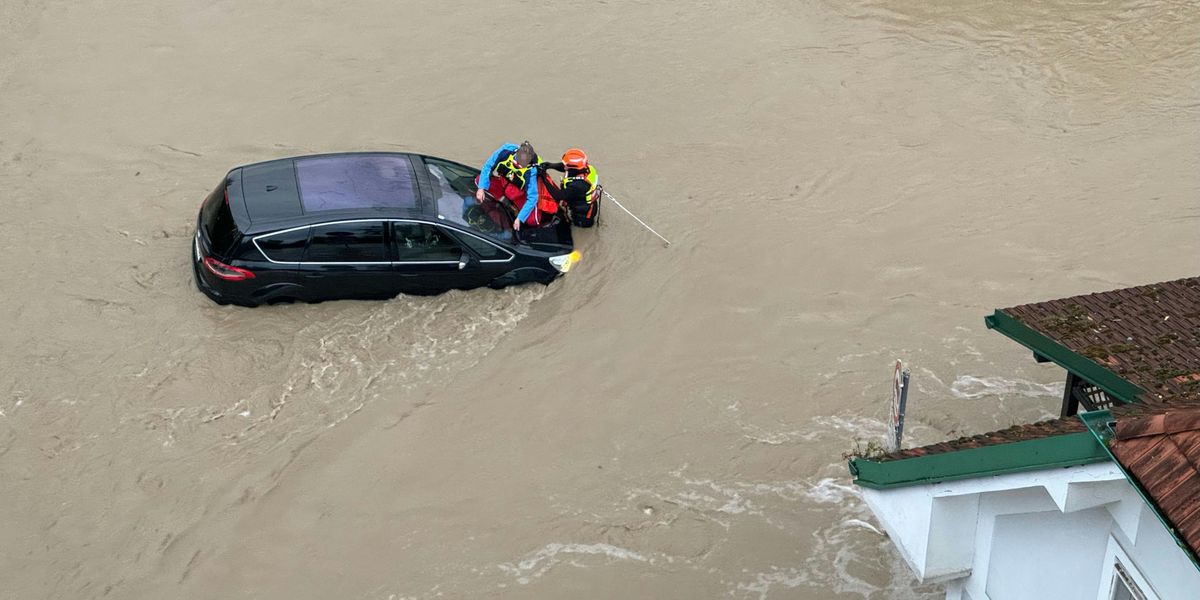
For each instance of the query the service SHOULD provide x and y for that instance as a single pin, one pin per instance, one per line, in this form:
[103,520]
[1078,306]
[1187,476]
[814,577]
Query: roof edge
[1110,382]
[1100,426]
[1066,450]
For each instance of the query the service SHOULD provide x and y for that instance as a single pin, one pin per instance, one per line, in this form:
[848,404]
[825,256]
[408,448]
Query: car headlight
[563,263]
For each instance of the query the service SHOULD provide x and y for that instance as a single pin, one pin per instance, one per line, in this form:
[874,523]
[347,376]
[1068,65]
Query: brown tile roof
[1161,450]
[1148,335]
[1016,433]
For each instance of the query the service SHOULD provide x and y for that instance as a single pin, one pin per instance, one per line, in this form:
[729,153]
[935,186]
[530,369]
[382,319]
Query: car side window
[458,178]
[359,241]
[285,246]
[417,242]
[485,250]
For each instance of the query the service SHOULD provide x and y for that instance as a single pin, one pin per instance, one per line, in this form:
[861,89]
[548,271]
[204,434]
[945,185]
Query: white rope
[635,217]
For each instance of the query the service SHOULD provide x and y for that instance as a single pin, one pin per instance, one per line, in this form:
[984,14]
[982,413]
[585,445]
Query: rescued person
[511,173]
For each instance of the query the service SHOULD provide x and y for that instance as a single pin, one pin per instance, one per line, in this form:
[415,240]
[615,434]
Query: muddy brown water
[844,184]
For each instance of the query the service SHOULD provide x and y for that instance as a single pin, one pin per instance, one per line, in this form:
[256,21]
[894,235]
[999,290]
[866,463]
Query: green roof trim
[1064,357]
[1100,424]
[1065,450]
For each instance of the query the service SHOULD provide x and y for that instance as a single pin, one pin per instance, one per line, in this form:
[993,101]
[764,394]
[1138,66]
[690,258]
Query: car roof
[300,190]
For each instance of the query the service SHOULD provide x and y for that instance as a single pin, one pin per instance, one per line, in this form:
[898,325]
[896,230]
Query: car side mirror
[464,260]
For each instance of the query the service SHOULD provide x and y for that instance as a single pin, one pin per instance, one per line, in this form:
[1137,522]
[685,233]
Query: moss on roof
[1147,335]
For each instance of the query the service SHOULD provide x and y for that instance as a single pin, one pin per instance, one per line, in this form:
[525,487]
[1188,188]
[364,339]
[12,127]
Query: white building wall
[1060,550]
[1041,534]
[1159,559]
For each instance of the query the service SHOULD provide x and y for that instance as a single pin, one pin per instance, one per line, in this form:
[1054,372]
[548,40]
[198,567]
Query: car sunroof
[356,181]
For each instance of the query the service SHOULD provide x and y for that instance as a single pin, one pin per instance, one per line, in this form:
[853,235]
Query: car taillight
[226,272]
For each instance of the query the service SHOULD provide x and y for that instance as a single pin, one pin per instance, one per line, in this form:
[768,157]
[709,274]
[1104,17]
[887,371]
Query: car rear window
[354,181]
[285,246]
[218,222]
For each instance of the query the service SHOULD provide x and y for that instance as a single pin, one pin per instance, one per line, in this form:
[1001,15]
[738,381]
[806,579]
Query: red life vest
[546,201]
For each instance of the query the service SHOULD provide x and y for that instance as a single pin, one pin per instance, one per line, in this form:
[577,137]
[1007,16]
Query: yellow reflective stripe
[515,175]
[592,178]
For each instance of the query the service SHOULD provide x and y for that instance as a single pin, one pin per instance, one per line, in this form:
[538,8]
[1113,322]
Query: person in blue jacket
[511,173]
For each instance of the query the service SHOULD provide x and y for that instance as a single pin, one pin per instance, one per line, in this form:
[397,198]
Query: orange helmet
[575,159]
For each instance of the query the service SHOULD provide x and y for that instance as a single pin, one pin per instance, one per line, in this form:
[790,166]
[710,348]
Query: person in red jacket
[511,173]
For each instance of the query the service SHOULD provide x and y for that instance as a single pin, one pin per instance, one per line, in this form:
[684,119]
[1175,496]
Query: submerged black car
[361,225]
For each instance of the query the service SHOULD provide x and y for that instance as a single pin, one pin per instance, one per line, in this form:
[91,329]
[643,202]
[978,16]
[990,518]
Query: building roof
[1160,450]
[1138,344]
[1016,433]
[1048,444]
[1141,345]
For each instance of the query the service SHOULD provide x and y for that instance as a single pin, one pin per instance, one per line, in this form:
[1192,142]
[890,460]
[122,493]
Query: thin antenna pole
[903,408]
[635,217]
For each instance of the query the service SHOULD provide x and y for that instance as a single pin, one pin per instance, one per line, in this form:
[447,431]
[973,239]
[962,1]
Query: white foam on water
[732,498]
[855,425]
[864,525]
[850,554]
[928,375]
[760,435]
[731,504]
[967,348]
[832,490]
[335,368]
[851,543]
[841,426]
[717,501]
[763,583]
[547,557]
[970,387]
[705,506]
[839,549]
[849,357]
[788,490]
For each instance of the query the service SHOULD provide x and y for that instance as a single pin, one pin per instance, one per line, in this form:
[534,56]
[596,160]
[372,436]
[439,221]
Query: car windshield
[454,186]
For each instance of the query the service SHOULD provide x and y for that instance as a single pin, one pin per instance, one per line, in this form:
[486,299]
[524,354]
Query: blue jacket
[531,178]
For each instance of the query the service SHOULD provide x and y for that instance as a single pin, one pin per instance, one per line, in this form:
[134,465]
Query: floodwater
[844,183]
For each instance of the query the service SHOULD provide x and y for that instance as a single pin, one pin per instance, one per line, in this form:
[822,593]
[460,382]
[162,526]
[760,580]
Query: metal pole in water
[903,406]
[895,431]
[635,217]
